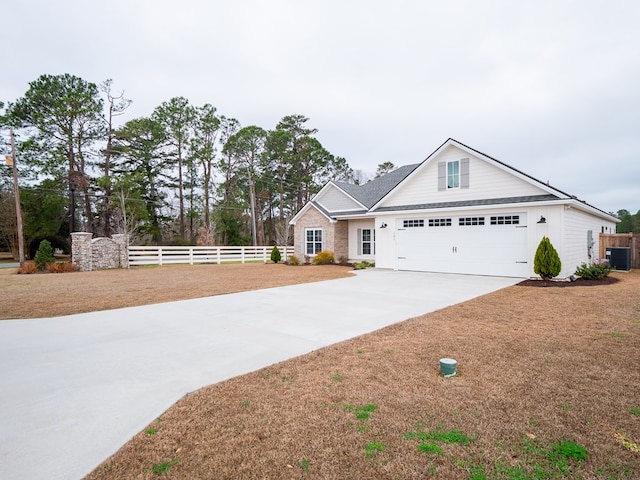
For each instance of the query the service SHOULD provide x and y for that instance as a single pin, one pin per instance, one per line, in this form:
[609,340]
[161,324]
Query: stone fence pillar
[123,243]
[81,251]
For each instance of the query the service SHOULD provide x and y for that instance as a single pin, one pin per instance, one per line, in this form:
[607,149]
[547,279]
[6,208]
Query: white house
[459,211]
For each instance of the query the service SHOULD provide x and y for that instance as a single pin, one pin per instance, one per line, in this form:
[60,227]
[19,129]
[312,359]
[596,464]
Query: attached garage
[479,244]
[460,211]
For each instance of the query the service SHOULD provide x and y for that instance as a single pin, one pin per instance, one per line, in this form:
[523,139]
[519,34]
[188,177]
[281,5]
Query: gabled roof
[372,192]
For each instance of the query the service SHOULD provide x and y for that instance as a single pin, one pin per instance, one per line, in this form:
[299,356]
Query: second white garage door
[478,244]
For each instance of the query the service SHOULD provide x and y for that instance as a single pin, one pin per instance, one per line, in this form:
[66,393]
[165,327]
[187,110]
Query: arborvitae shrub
[275,255]
[546,262]
[323,258]
[44,255]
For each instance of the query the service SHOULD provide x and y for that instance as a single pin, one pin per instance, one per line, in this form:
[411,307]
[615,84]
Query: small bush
[324,257]
[593,271]
[293,260]
[276,256]
[546,262]
[61,267]
[364,264]
[44,255]
[28,268]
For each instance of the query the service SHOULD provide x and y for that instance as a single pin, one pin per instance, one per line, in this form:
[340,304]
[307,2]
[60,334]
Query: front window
[367,241]
[453,174]
[313,241]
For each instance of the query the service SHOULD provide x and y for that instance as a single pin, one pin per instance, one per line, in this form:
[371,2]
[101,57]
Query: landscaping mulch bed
[548,386]
[579,282]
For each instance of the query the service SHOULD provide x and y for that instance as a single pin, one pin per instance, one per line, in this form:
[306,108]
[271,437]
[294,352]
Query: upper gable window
[453,174]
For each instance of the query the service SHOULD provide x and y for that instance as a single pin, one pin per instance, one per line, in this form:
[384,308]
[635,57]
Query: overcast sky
[549,87]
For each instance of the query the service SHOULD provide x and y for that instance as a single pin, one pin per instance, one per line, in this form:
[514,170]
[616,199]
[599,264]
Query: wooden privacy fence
[143,255]
[631,240]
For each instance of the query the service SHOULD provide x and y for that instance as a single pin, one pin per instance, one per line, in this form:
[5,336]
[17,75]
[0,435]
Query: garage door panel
[469,249]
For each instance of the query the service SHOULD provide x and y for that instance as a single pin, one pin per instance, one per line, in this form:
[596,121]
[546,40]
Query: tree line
[185,174]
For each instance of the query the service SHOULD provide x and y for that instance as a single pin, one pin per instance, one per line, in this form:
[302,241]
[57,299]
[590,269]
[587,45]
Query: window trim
[314,241]
[453,177]
[371,242]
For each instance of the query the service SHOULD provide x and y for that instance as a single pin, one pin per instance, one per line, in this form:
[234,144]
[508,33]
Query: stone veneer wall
[99,253]
[336,234]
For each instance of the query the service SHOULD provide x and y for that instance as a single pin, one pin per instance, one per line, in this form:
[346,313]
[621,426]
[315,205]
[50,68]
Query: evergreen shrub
[44,255]
[276,256]
[546,262]
[593,271]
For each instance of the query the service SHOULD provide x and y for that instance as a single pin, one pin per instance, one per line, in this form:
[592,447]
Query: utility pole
[16,194]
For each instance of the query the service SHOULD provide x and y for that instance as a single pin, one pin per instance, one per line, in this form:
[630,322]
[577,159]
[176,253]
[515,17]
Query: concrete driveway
[74,389]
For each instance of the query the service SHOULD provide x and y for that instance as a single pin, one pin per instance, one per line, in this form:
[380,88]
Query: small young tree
[276,256]
[546,262]
[44,255]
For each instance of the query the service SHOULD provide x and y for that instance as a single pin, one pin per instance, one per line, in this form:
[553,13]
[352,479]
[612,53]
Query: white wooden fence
[143,255]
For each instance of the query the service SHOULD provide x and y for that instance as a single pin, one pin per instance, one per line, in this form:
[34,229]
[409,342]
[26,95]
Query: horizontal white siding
[485,181]
[576,225]
[335,200]
[354,225]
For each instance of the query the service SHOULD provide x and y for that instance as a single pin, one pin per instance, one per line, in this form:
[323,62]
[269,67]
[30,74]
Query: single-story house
[458,211]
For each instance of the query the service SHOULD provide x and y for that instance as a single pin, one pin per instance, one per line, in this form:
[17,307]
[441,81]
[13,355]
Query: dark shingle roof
[372,192]
[472,203]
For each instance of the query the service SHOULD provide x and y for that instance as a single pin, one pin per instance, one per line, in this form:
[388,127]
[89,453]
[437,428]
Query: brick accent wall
[336,235]
[341,240]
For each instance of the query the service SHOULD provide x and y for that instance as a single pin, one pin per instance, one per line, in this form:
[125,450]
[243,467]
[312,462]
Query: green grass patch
[634,411]
[337,378]
[372,448]
[160,468]
[569,449]
[430,447]
[535,460]
[151,431]
[305,464]
[619,335]
[363,412]
[439,435]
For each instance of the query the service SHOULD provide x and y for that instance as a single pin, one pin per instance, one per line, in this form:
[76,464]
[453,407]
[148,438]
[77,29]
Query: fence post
[160,256]
[190,255]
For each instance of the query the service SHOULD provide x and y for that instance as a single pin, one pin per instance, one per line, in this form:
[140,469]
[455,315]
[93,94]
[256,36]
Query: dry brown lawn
[50,295]
[543,373]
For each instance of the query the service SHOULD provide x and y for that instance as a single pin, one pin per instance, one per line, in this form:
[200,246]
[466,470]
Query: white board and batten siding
[486,181]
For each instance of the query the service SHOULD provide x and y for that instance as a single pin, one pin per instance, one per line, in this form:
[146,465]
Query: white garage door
[478,244]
